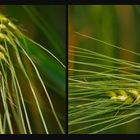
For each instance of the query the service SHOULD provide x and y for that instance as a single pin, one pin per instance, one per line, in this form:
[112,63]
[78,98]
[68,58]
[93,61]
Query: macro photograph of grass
[32,69]
[104,69]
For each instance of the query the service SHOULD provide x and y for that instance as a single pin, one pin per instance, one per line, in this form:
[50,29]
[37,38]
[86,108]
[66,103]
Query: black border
[66,69]
[70,2]
[67,3]
[32,2]
[101,2]
[70,137]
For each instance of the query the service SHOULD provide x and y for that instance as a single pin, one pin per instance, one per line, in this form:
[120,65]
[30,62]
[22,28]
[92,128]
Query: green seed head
[121,92]
[122,97]
[114,98]
[4,20]
[129,100]
[7,23]
[133,92]
[12,26]
[2,37]
[119,99]
[2,27]
[2,48]
[2,57]
[111,94]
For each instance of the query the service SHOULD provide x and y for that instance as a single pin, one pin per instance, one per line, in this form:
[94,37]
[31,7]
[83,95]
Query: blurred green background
[52,19]
[114,24]
[45,24]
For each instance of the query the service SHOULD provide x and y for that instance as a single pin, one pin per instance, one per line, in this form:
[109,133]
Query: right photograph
[104,69]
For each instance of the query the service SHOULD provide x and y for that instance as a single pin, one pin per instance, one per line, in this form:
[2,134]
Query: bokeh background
[114,24]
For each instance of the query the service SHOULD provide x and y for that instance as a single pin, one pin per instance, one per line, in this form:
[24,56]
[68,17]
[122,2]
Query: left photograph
[32,69]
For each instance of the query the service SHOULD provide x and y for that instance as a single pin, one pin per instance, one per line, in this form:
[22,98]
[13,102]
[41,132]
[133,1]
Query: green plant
[26,105]
[94,80]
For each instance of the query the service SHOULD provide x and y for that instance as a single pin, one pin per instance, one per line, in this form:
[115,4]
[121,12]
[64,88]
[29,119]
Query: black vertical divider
[66,68]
